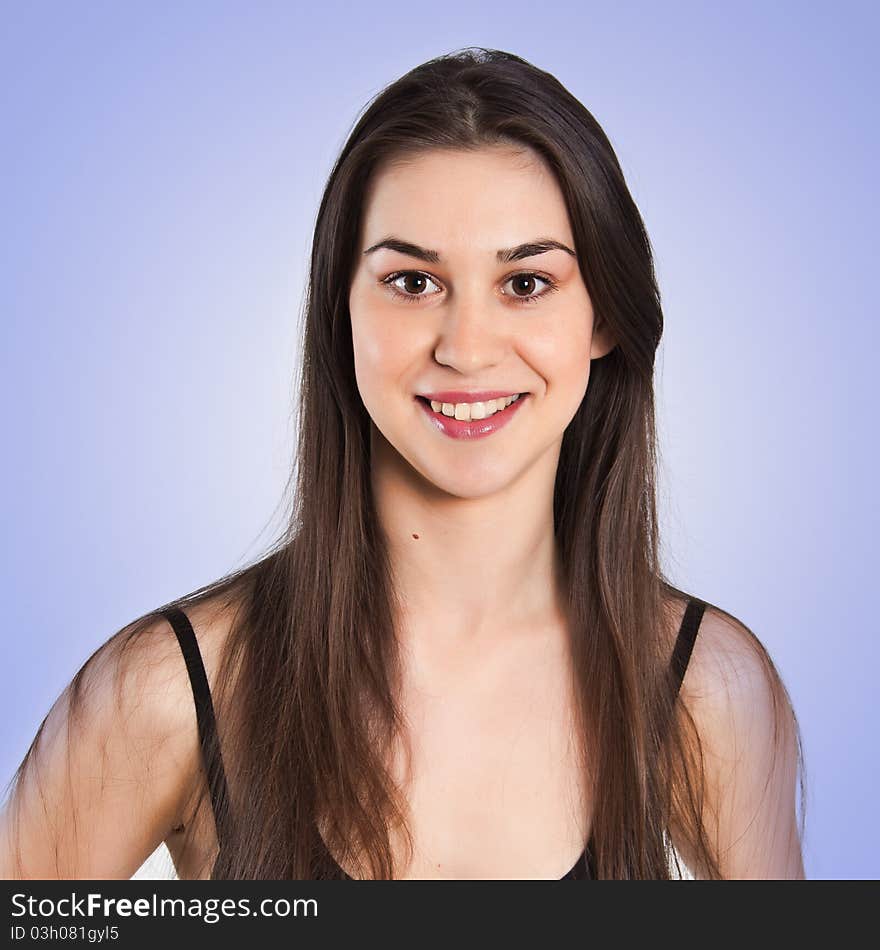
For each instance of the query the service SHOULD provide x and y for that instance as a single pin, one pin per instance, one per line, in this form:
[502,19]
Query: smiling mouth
[518,397]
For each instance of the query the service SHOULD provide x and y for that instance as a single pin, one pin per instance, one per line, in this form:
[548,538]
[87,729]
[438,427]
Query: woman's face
[452,315]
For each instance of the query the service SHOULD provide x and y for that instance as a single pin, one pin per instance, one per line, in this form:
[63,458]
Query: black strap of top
[687,636]
[209,740]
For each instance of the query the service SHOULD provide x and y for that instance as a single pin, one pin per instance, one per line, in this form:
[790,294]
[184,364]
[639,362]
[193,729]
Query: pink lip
[474,428]
[461,395]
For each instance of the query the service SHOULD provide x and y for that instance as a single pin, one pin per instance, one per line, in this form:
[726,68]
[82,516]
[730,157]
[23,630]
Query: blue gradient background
[161,171]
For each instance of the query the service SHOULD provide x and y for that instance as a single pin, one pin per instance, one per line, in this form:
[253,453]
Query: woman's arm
[107,781]
[750,747]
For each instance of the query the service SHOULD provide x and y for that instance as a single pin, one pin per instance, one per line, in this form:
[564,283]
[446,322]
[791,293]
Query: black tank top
[584,868]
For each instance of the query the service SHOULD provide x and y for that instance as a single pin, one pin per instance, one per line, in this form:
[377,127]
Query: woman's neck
[469,570]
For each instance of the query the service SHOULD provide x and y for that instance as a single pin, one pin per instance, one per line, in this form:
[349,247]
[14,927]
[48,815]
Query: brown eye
[414,283]
[409,285]
[524,283]
[524,287]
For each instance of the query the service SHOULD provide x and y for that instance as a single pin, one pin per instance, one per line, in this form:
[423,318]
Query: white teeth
[465,411]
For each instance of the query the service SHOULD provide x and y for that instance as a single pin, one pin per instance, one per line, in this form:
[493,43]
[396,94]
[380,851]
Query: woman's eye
[410,286]
[526,283]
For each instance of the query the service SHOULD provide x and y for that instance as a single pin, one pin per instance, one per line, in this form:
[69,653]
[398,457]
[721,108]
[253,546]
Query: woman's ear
[603,341]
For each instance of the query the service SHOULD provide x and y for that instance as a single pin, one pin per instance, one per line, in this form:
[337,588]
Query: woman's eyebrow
[504,256]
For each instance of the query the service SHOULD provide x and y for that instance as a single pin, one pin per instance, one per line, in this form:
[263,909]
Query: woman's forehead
[480,201]
[451,169]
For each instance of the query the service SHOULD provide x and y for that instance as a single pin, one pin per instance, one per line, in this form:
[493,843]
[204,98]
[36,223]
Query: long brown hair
[306,688]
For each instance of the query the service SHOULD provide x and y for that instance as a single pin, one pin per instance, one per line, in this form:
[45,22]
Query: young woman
[462,659]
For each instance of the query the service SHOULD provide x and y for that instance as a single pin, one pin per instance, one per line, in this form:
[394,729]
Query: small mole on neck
[416,537]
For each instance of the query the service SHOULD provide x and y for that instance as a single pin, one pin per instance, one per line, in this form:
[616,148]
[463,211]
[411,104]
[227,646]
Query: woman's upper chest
[491,767]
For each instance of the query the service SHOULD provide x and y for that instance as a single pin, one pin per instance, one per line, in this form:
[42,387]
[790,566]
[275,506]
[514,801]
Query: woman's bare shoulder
[727,657]
[750,747]
[724,647]
[114,764]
